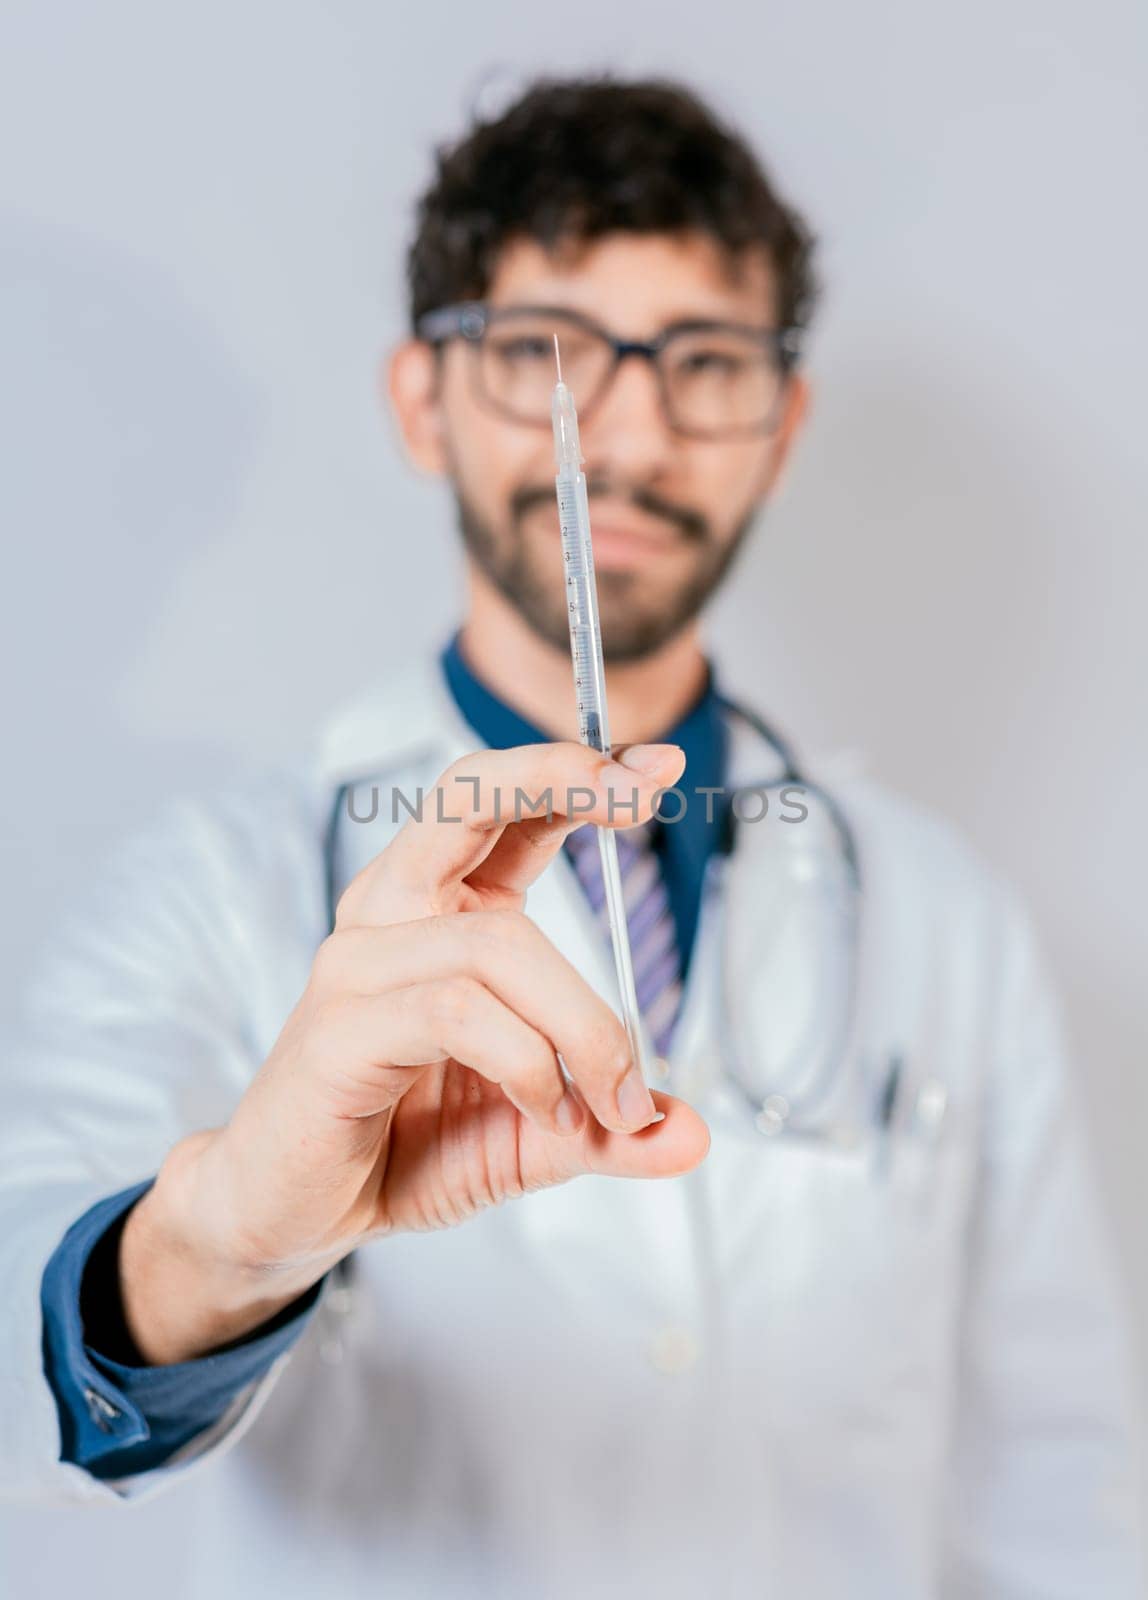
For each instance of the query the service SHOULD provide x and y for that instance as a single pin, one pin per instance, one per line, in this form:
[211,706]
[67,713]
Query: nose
[626,436]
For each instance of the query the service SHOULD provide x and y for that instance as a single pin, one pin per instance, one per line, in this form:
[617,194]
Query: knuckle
[475,927]
[502,926]
[348,904]
[329,964]
[370,884]
[454,1001]
[570,757]
[607,1045]
[327,1016]
[534,1075]
[457,769]
[450,939]
[457,784]
[542,1064]
[489,938]
[430,929]
[470,933]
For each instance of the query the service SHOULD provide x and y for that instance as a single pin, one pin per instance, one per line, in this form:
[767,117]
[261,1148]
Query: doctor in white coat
[509,1330]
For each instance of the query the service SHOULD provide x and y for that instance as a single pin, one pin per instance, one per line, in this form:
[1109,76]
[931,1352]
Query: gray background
[210,538]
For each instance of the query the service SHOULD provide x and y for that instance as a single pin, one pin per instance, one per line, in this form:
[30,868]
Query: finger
[369,1045]
[522,851]
[512,958]
[667,1149]
[473,804]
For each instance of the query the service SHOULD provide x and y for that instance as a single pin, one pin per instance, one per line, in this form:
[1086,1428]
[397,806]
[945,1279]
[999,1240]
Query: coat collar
[408,720]
[411,716]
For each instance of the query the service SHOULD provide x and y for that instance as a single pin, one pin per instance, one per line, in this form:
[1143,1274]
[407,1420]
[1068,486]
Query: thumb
[665,1149]
[662,763]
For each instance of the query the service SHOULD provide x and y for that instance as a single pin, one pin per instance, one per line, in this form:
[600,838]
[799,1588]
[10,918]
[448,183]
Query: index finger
[482,802]
[525,848]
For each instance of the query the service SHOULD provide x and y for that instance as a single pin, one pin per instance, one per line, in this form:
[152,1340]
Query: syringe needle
[558,358]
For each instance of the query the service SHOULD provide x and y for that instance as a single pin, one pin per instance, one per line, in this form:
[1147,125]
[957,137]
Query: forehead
[637,283]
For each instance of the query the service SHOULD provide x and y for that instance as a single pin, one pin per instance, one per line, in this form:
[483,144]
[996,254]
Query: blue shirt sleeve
[119,1416]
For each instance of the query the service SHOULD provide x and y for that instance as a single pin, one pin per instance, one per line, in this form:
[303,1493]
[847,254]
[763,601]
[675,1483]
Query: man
[860,1339]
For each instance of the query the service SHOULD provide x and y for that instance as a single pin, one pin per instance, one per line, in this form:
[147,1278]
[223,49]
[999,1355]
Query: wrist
[185,1286]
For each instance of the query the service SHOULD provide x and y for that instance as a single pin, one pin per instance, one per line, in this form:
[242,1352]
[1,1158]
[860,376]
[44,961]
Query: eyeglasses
[716,380]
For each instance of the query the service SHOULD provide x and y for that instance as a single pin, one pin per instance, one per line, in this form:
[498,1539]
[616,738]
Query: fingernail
[645,758]
[635,1103]
[569,1116]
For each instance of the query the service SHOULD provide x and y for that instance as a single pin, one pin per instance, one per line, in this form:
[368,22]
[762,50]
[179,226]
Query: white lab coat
[808,1369]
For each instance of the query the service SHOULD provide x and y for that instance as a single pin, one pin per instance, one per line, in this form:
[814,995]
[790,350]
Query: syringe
[590,684]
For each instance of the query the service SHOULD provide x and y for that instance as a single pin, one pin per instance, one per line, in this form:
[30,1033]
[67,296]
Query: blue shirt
[119,1416]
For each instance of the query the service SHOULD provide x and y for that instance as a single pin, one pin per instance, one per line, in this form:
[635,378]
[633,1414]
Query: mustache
[692,525]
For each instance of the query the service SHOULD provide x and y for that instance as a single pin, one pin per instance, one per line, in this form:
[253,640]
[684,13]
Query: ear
[412,383]
[793,419]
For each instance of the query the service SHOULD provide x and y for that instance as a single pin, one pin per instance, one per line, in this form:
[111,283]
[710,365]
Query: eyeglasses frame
[470,320]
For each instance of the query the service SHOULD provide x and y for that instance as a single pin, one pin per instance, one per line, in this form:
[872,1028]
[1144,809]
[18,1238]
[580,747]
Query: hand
[417,1081]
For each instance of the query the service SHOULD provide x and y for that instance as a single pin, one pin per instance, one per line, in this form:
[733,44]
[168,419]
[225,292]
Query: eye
[523,349]
[722,363]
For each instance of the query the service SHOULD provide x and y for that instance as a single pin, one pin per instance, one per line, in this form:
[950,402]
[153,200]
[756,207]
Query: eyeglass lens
[713,380]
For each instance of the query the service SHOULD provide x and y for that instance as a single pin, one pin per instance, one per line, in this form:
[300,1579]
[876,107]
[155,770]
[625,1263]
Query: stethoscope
[861,1096]
[780,1102]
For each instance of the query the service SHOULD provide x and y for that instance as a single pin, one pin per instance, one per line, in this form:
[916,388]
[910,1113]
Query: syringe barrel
[567,446]
[590,687]
[582,606]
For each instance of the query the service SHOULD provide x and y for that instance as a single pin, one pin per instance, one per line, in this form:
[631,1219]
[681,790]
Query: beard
[632,626]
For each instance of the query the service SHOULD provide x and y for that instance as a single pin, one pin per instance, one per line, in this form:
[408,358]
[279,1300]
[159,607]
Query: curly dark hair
[574,159]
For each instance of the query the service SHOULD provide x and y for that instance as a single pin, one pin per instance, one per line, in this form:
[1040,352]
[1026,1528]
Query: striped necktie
[649,918]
